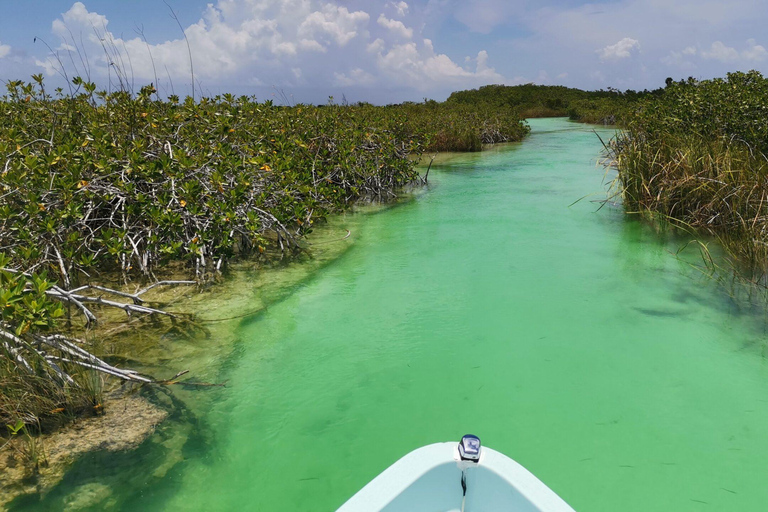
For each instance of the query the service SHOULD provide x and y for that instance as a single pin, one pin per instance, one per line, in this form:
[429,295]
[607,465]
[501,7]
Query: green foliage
[734,107]
[696,155]
[110,181]
[15,428]
[131,183]
[23,302]
[600,107]
[460,127]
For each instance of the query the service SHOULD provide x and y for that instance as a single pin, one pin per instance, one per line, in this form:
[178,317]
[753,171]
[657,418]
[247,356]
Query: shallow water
[567,338]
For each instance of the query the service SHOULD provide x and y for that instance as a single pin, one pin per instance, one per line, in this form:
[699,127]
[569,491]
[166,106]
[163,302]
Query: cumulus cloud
[343,43]
[420,67]
[691,57]
[335,22]
[286,43]
[621,50]
[78,15]
[376,46]
[681,59]
[4,50]
[482,62]
[719,51]
[395,26]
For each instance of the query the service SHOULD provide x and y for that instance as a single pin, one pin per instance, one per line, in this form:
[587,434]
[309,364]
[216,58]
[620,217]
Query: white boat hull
[429,479]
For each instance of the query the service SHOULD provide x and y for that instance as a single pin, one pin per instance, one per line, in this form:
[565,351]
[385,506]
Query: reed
[696,156]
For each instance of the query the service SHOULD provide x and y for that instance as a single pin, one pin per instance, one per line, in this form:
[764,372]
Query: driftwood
[79,300]
[52,354]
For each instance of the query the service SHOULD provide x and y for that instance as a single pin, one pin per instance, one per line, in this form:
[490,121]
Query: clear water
[570,339]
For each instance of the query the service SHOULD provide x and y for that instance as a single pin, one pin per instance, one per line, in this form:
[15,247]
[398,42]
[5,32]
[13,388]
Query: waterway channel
[570,338]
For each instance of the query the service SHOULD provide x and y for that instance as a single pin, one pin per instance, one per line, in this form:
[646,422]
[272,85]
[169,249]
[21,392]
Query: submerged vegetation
[104,187]
[697,156]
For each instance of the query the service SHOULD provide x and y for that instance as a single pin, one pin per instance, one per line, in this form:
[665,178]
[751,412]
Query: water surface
[568,338]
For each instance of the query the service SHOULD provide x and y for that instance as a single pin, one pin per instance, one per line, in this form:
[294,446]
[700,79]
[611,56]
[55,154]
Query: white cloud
[376,46]
[335,22]
[312,45]
[285,43]
[232,38]
[355,77]
[565,38]
[482,61]
[682,59]
[241,42]
[691,58]
[621,50]
[4,50]
[420,67]
[401,8]
[395,26]
[78,15]
[719,51]
[754,51]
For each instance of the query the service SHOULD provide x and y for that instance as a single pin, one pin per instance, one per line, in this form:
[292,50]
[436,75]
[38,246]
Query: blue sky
[382,50]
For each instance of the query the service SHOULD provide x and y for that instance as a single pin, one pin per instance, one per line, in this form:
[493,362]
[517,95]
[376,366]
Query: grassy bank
[693,153]
[99,188]
[696,156]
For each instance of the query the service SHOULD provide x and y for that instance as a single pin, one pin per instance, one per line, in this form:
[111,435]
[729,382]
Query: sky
[381,51]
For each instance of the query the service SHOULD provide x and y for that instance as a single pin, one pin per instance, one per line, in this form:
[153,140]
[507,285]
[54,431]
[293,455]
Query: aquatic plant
[696,156]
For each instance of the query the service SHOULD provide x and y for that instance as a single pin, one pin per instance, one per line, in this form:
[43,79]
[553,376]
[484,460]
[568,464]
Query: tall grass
[696,157]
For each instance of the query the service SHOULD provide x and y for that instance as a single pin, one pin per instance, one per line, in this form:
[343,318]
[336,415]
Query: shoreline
[129,418]
[130,421]
[267,283]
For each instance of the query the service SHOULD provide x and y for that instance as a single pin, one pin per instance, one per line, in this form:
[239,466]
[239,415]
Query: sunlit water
[568,338]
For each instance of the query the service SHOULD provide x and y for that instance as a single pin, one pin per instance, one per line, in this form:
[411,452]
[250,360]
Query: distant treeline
[609,106]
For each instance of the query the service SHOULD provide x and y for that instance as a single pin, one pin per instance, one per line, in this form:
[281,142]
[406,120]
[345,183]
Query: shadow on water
[88,485]
[187,433]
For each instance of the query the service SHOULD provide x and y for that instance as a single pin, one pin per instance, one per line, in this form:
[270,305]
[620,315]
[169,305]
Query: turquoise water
[570,339]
